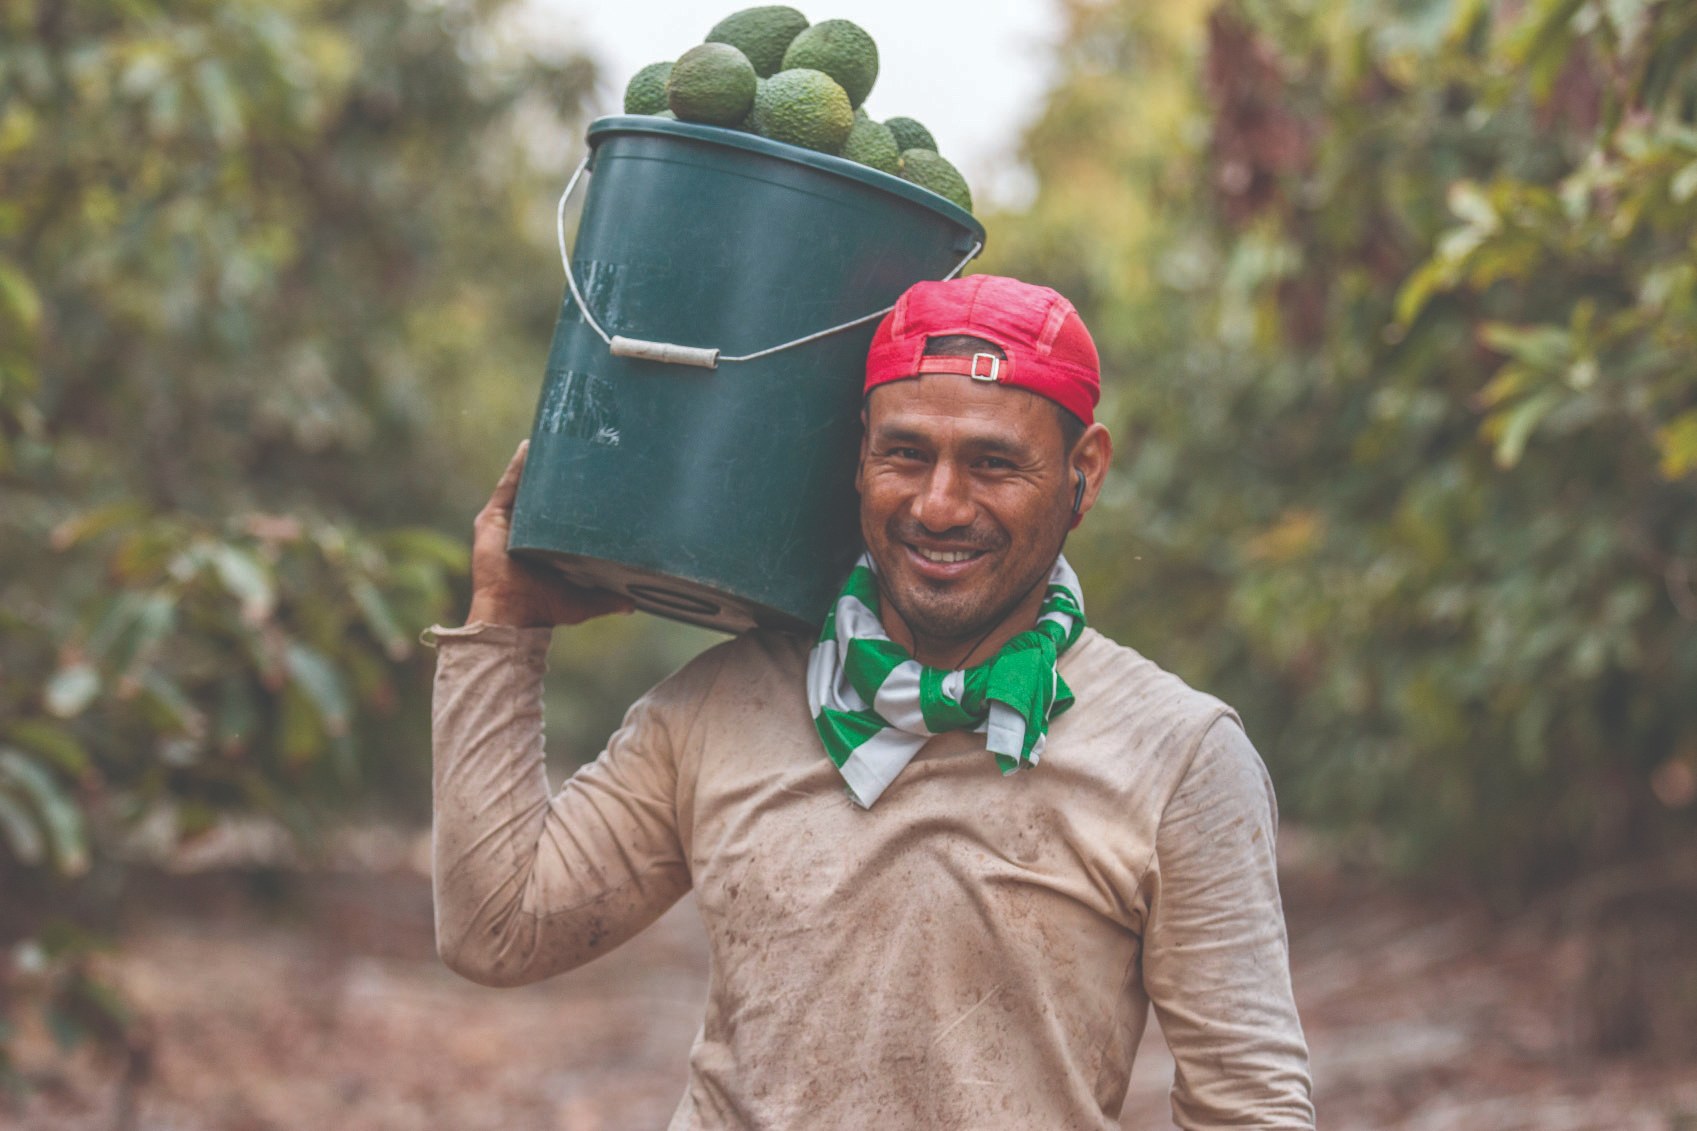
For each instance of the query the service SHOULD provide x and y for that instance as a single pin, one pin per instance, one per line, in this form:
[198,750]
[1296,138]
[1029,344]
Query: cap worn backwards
[1049,351]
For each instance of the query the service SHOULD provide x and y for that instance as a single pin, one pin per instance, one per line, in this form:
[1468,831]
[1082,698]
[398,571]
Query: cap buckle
[995,367]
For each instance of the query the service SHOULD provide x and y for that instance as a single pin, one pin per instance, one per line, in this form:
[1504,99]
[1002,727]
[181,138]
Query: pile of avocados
[768,71]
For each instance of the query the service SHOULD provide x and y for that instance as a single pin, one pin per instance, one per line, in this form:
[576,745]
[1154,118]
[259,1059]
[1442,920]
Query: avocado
[646,91]
[842,50]
[911,135]
[874,145]
[930,170]
[803,107]
[712,83]
[747,123]
[763,34]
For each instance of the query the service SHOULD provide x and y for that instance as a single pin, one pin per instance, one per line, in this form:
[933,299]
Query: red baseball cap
[1048,349]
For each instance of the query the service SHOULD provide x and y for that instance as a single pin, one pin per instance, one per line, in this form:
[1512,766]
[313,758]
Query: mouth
[945,557]
[942,563]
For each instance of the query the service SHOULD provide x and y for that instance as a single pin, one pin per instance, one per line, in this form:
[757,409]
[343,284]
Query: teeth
[945,555]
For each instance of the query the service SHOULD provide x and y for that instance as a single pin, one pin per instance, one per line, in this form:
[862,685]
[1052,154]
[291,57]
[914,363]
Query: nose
[944,501]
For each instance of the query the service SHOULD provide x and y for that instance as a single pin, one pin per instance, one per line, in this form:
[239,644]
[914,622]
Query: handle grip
[698,356]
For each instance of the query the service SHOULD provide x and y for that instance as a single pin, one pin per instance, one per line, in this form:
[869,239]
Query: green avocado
[747,123]
[805,108]
[932,171]
[646,91]
[842,50]
[712,83]
[911,135]
[874,145]
[763,34]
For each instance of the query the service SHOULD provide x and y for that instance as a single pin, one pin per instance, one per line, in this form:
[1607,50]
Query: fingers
[507,488]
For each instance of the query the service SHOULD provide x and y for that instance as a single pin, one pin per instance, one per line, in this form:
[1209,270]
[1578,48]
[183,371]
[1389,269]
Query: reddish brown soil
[327,1009]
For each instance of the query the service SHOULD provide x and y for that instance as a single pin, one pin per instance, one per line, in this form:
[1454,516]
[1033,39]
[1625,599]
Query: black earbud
[1078,495]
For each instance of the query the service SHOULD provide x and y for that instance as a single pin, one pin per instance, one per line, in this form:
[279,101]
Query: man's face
[965,499]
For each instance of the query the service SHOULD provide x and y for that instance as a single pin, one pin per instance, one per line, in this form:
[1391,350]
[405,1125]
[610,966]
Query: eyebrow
[986,442]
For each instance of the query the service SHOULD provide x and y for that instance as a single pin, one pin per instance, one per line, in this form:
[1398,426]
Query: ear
[1091,457]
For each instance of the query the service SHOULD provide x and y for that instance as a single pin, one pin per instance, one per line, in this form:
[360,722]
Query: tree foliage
[1403,335]
[259,265]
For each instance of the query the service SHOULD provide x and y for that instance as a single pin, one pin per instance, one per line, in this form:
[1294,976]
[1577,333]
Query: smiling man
[949,854]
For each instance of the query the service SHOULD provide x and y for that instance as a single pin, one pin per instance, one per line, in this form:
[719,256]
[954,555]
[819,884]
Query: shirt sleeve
[527,885]
[1216,964]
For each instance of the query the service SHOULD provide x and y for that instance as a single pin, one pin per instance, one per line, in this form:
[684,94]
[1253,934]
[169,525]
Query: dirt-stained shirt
[975,951]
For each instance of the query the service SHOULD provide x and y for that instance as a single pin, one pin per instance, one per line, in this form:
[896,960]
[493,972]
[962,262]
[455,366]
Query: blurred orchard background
[1397,301]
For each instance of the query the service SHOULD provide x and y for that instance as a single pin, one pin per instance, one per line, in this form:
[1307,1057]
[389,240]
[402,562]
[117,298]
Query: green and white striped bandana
[874,705]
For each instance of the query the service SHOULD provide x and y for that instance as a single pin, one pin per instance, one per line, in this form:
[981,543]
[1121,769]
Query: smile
[946,557]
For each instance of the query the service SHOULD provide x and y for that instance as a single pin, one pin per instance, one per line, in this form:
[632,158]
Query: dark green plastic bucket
[720,496]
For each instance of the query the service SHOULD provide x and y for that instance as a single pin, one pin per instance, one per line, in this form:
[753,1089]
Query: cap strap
[980,366]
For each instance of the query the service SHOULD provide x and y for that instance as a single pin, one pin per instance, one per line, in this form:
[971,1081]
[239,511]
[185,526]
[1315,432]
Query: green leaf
[1473,207]
[132,626]
[1683,187]
[1627,16]
[1676,442]
[71,689]
[18,297]
[1543,348]
[1510,381]
[380,619]
[245,578]
[51,741]
[1417,290]
[92,523]
[1518,425]
[60,815]
[318,680]
[218,97]
[155,619]
[168,706]
[1539,46]
[19,830]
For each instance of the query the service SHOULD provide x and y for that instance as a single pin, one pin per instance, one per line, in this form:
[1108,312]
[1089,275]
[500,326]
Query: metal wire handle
[701,356]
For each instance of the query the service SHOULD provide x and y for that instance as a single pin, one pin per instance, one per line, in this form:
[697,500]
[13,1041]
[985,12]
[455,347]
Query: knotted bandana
[874,705]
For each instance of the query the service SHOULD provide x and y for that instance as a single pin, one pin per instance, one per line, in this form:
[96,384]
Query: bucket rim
[603,127]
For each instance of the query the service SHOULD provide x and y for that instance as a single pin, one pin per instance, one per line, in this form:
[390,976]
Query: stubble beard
[944,619]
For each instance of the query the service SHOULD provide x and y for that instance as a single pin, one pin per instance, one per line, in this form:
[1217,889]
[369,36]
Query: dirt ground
[321,1005]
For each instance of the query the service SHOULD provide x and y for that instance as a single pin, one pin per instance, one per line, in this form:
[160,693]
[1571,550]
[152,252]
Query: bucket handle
[699,356]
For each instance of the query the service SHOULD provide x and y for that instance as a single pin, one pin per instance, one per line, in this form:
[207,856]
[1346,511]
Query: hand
[506,590]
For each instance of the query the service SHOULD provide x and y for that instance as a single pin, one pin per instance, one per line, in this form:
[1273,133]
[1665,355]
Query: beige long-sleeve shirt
[973,952]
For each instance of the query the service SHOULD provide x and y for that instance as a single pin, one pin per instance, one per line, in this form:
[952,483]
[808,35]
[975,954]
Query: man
[958,929]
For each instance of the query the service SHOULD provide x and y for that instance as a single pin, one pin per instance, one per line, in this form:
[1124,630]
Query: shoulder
[736,680]
[1133,722]
[757,663]
[1120,684]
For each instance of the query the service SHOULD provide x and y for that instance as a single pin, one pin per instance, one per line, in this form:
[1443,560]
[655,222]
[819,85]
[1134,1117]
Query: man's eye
[904,453]
[995,463]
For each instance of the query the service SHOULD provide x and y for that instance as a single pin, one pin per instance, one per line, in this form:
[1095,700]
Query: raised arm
[528,885]
[1216,964]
